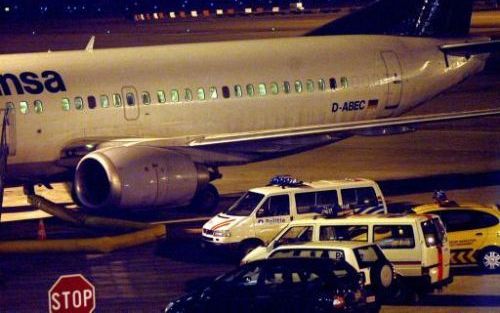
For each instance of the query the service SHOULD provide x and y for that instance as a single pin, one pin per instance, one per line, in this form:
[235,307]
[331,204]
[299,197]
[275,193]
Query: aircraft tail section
[420,18]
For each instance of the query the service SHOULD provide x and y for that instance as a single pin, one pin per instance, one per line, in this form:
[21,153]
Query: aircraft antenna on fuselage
[90,45]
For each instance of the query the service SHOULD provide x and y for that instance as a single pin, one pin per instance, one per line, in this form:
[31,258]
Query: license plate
[370,299]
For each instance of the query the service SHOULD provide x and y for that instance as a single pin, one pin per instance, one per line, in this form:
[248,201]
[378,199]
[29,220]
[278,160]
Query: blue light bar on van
[285,181]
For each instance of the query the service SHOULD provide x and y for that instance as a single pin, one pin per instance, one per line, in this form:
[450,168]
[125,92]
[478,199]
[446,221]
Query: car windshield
[245,205]
[295,234]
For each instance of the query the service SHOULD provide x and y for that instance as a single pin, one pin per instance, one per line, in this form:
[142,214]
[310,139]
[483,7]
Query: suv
[415,244]
[262,212]
[283,285]
[473,230]
[366,258]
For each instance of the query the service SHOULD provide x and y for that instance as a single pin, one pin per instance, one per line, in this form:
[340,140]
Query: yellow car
[473,232]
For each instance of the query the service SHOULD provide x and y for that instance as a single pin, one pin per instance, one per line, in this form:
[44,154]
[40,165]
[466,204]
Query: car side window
[314,202]
[461,220]
[360,199]
[275,206]
[394,236]
[344,232]
[366,256]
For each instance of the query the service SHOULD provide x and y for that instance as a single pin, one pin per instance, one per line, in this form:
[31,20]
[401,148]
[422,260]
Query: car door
[467,232]
[272,216]
[235,293]
[400,247]
[281,290]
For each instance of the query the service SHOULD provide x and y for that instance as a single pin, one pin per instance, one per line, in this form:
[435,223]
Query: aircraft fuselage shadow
[396,187]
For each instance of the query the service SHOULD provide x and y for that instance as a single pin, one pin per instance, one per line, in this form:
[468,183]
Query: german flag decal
[372,104]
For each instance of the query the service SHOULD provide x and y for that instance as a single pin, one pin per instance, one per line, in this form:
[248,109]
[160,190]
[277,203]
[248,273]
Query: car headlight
[222,233]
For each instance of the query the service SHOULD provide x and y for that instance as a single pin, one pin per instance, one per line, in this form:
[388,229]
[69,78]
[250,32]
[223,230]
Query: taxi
[473,231]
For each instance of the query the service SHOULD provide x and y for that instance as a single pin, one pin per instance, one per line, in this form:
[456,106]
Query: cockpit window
[246,204]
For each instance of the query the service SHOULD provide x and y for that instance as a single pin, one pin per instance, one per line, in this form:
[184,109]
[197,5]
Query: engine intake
[137,177]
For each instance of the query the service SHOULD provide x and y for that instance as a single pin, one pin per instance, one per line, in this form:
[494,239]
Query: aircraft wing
[245,147]
[351,128]
[471,48]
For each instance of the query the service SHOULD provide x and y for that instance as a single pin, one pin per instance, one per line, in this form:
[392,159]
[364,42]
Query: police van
[416,244]
[258,216]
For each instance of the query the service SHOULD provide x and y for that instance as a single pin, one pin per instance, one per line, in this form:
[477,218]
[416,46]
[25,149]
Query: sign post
[72,294]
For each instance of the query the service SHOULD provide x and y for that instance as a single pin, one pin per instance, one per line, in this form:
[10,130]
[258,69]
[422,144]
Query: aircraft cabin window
[238,92]
[188,95]
[10,106]
[321,84]
[146,98]
[130,98]
[250,90]
[262,89]
[201,93]
[161,96]
[79,103]
[333,83]
[310,85]
[174,95]
[117,100]
[23,107]
[104,101]
[343,82]
[92,102]
[225,92]
[65,104]
[286,87]
[213,93]
[298,86]
[275,88]
[38,106]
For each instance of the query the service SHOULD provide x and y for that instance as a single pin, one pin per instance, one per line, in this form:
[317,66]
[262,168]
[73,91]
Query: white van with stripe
[259,215]
[416,244]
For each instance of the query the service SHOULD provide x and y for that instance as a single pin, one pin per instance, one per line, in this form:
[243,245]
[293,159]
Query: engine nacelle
[137,177]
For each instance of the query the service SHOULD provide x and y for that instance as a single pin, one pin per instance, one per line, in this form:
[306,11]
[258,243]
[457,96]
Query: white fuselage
[398,72]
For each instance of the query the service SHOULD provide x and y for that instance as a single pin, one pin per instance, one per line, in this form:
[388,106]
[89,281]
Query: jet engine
[138,177]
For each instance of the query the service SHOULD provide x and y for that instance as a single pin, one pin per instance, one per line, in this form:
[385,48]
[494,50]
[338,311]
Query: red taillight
[338,302]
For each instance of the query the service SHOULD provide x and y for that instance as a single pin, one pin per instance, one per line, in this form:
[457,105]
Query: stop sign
[72,294]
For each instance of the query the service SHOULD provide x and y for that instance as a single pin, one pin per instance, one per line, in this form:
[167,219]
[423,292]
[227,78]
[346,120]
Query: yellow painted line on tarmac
[23,216]
[193,231]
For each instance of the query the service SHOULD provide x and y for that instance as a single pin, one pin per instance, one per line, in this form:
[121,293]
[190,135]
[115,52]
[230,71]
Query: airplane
[149,127]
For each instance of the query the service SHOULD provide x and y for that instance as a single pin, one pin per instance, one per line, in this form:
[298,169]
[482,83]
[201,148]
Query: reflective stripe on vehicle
[222,224]
[440,263]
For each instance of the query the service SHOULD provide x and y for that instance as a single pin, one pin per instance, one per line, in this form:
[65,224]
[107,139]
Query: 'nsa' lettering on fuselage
[32,83]
[349,106]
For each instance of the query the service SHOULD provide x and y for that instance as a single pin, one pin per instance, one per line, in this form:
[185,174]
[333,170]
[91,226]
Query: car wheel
[248,246]
[489,260]
[382,278]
